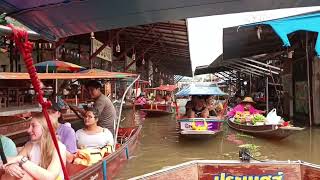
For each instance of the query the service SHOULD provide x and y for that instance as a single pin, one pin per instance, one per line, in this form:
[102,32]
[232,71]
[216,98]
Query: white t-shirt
[97,140]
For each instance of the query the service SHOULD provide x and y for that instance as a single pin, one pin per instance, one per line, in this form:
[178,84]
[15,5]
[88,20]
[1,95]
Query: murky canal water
[160,146]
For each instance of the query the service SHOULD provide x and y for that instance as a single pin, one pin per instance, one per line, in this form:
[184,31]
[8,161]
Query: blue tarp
[285,26]
[201,89]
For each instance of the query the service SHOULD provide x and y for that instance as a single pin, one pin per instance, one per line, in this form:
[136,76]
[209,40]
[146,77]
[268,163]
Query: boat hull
[156,110]
[224,169]
[185,127]
[265,131]
[113,163]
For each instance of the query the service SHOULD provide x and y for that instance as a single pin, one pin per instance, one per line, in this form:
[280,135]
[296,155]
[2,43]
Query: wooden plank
[11,111]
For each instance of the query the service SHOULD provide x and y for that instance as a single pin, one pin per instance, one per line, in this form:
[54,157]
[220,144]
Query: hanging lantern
[156,70]
[143,61]
[118,48]
[133,57]
[118,45]
[50,45]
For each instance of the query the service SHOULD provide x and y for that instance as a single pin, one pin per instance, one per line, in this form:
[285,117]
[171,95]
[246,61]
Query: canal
[160,146]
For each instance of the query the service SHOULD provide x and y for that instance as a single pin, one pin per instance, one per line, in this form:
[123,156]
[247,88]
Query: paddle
[78,114]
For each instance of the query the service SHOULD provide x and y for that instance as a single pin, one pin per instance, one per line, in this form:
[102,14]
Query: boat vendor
[93,135]
[64,131]
[245,105]
[38,159]
[106,109]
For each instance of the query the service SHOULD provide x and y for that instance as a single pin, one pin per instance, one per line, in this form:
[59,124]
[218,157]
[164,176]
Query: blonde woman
[38,159]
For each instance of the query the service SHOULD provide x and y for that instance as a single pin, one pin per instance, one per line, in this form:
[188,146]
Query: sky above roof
[205,33]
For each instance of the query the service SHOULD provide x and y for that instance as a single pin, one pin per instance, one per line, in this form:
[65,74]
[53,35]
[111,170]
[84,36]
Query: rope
[20,37]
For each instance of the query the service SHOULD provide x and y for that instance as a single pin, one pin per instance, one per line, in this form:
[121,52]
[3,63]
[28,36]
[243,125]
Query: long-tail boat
[155,109]
[13,126]
[109,166]
[200,127]
[275,131]
[236,170]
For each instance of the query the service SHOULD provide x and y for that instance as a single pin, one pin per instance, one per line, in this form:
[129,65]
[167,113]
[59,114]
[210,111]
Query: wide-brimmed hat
[247,100]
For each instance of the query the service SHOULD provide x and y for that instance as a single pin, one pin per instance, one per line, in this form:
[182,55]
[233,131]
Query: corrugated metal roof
[61,18]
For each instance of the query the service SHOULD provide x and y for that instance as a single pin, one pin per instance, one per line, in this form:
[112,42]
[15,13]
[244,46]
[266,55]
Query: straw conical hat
[248,100]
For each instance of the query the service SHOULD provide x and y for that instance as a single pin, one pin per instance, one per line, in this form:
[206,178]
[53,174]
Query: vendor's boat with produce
[237,170]
[200,127]
[271,131]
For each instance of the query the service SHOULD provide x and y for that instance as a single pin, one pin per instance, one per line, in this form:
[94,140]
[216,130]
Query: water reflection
[161,146]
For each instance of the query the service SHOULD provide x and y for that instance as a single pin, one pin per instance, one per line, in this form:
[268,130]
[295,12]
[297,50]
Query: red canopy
[164,88]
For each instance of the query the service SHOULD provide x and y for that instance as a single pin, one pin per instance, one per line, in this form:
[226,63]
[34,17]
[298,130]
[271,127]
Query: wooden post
[308,78]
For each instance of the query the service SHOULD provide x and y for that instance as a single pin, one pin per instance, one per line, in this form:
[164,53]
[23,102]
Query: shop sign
[225,176]
[105,54]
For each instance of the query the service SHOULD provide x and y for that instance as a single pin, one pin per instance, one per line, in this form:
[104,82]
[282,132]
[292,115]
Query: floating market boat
[156,109]
[236,170]
[109,166]
[277,131]
[200,127]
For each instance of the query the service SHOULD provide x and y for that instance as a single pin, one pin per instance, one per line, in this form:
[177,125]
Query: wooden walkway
[11,111]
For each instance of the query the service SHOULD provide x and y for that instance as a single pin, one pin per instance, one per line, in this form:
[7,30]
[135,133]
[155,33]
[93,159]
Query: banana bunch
[199,127]
[241,117]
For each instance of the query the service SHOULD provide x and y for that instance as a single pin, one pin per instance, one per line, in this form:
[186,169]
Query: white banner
[105,54]
[185,125]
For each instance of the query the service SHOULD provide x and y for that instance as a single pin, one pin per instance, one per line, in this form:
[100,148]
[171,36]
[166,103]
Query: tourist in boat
[159,99]
[245,105]
[8,151]
[64,131]
[106,109]
[199,109]
[141,100]
[93,135]
[168,98]
[38,159]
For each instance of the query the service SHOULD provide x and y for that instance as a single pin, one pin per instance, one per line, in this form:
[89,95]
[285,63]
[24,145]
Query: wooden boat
[16,127]
[265,131]
[214,126]
[231,170]
[155,110]
[110,165]
[200,127]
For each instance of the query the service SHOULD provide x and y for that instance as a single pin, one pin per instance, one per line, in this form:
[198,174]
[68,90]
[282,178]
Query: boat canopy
[201,89]
[167,87]
[80,75]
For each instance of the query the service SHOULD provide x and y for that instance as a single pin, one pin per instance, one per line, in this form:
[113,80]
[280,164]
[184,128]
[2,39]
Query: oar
[75,111]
